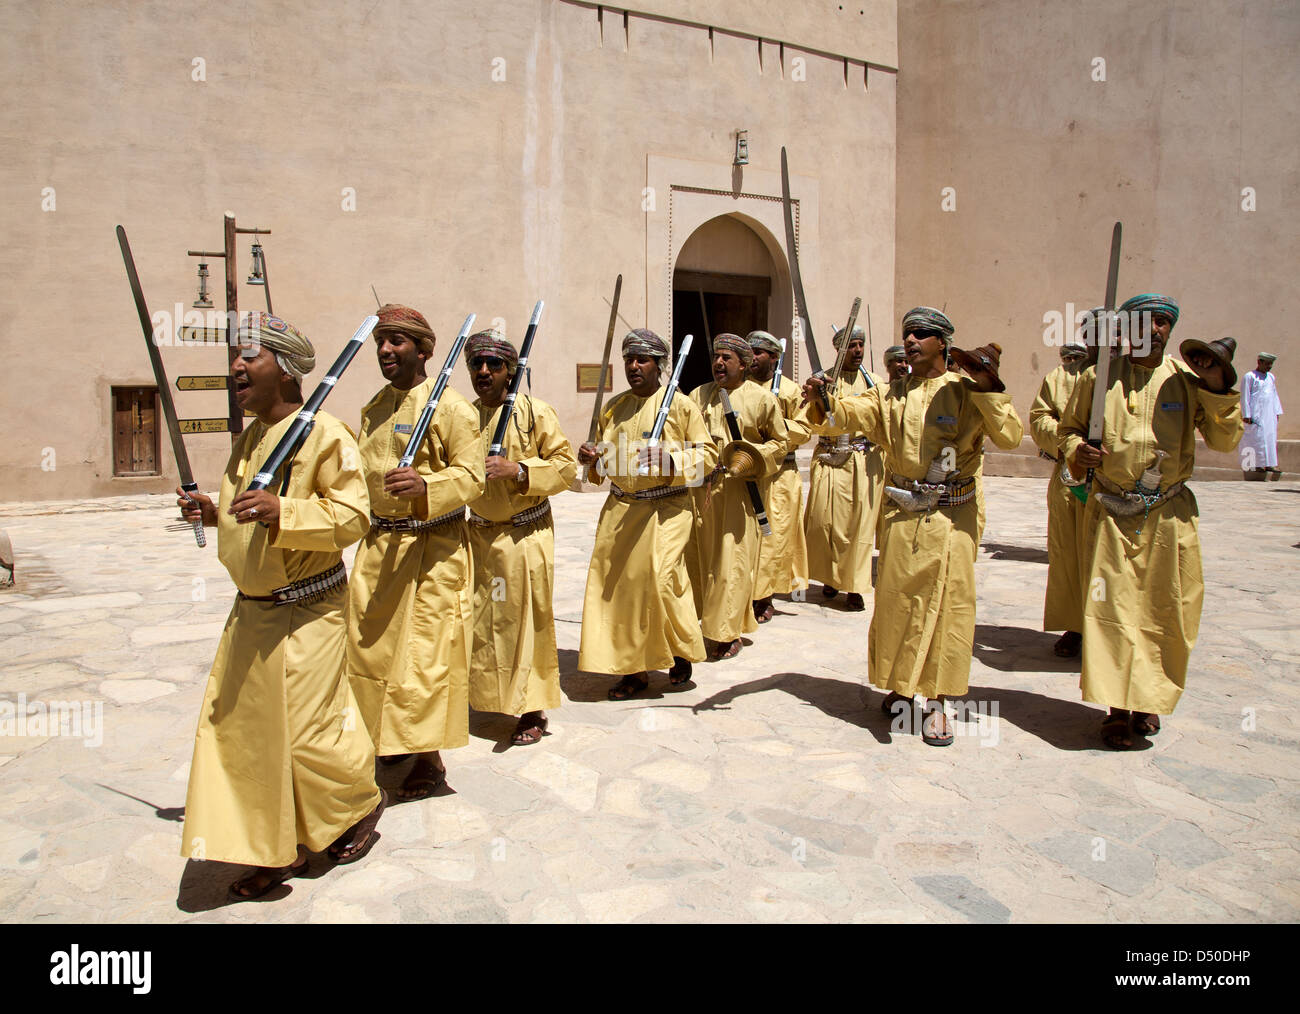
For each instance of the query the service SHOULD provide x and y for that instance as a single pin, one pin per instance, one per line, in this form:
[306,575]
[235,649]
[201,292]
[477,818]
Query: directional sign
[191,335]
[204,425]
[211,383]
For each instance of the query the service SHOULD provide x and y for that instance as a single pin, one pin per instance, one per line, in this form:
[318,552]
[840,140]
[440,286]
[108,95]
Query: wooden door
[135,431]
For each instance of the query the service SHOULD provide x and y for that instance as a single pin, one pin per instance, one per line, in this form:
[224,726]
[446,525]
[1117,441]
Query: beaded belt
[309,589]
[1126,502]
[656,493]
[953,494]
[412,525]
[835,454]
[526,517]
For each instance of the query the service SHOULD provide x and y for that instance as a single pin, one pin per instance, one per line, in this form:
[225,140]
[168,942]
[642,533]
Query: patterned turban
[895,352]
[762,340]
[839,336]
[492,343]
[927,318]
[644,342]
[395,317]
[293,352]
[1154,302]
[736,344]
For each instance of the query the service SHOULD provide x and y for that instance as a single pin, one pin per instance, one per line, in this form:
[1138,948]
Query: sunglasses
[924,333]
[493,363]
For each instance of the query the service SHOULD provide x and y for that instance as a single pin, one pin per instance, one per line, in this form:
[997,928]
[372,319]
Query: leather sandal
[355,842]
[278,875]
[680,672]
[1145,724]
[529,732]
[929,728]
[628,686]
[1115,731]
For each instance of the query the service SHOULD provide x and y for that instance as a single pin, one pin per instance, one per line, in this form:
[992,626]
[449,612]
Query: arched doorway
[724,279]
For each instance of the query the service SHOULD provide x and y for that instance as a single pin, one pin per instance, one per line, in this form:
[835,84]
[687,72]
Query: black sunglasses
[493,362]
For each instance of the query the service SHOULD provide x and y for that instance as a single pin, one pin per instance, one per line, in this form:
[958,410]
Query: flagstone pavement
[773,790]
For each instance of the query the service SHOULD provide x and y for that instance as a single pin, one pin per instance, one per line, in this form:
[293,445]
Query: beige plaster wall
[997,100]
[471,194]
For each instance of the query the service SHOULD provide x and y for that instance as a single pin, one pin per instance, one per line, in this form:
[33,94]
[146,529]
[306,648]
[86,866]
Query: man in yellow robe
[782,556]
[728,535]
[281,763]
[639,610]
[411,616]
[844,489]
[1142,610]
[932,427]
[1066,548]
[515,669]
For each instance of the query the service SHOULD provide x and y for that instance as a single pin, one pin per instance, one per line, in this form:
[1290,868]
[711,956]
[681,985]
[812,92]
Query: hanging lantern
[204,302]
[258,277]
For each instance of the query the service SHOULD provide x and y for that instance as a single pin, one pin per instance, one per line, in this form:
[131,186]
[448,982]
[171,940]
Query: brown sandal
[628,686]
[1115,731]
[529,730]
[1145,724]
[731,650]
[421,782]
[355,842]
[680,672]
[248,889]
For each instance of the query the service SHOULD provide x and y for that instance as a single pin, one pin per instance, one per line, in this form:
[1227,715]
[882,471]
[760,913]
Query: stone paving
[773,790]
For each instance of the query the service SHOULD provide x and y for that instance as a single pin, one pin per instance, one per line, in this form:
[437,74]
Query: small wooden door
[135,431]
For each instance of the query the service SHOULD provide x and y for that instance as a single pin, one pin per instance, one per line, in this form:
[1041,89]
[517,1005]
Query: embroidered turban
[1154,302]
[644,342]
[762,340]
[395,317]
[858,334]
[492,343]
[293,352]
[736,344]
[927,318]
[895,352]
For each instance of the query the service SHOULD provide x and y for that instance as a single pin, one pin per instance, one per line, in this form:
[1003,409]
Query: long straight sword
[426,416]
[755,497]
[297,433]
[499,437]
[657,431]
[604,369]
[776,374]
[1102,330]
[188,485]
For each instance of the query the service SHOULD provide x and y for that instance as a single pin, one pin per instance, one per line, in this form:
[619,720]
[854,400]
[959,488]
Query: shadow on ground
[1010,551]
[205,886]
[842,699]
[1019,649]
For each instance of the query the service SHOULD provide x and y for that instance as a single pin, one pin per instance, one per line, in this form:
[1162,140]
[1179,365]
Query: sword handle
[200,536]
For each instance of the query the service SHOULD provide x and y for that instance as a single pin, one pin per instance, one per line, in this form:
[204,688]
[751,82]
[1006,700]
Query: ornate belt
[413,525]
[655,493]
[929,495]
[309,589]
[1128,502]
[836,452]
[525,517]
